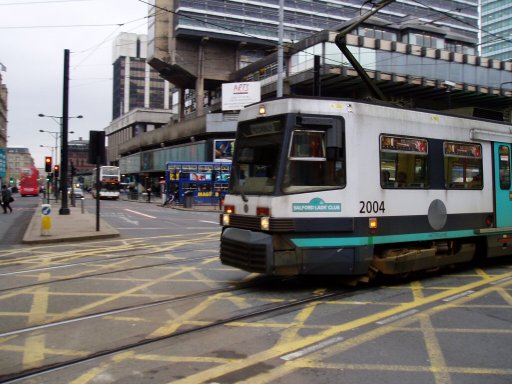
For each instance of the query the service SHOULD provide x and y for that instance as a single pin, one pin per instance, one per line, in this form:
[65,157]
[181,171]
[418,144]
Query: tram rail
[253,312]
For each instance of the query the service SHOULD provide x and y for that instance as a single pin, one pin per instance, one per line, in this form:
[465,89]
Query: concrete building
[141,98]
[496,29]
[408,51]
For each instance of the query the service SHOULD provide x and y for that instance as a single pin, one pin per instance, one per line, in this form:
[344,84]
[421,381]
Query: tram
[341,187]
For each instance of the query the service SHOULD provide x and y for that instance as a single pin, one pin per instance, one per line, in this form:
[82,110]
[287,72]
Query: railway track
[252,313]
[90,275]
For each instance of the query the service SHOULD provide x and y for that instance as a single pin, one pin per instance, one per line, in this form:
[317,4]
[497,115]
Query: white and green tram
[340,187]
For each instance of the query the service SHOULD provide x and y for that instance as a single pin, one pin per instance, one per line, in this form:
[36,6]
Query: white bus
[109,182]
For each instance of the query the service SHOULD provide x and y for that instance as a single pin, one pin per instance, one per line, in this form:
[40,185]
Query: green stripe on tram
[315,242]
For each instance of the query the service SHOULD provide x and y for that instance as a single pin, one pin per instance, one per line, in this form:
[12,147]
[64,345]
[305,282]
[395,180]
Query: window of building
[424,40]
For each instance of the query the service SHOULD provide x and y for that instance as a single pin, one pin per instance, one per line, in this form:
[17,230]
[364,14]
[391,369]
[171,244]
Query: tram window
[504,167]
[257,156]
[308,168]
[403,162]
[308,145]
[463,165]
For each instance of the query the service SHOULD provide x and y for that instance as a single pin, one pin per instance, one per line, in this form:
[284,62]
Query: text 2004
[371,207]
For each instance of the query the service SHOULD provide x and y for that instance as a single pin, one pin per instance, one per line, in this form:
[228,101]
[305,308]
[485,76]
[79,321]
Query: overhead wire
[449,15]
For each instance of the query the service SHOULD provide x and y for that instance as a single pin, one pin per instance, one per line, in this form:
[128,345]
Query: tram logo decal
[316,205]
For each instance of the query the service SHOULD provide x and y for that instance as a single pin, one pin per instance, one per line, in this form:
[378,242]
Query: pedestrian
[6,199]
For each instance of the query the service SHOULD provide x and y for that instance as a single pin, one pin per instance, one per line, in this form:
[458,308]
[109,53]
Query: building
[417,55]
[3,127]
[496,29]
[141,99]
[17,158]
[78,154]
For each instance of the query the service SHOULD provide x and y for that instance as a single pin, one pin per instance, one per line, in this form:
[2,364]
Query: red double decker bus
[29,181]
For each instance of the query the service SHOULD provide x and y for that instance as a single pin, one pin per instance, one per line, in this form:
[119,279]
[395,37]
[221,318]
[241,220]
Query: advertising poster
[235,96]
[223,150]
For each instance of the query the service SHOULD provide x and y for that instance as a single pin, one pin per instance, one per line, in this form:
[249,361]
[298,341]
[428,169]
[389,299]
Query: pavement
[80,224]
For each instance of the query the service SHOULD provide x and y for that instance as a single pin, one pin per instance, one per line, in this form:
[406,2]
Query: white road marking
[140,213]
[313,348]
[397,317]
[134,222]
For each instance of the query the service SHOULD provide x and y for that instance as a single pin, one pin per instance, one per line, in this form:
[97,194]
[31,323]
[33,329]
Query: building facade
[3,127]
[78,154]
[17,158]
[418,56]
[141,98]
[496,29]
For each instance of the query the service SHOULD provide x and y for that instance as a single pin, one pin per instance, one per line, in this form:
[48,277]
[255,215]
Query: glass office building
[496,29]
[259,19]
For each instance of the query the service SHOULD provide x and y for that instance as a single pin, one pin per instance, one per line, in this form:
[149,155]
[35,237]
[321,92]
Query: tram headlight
[262,110]
[225,219]
[265,223]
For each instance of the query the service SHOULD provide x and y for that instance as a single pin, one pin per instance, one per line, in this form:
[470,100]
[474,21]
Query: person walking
[6,199]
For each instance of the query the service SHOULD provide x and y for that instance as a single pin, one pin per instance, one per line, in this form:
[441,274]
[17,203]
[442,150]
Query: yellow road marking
[282,349]
[33,353]
[439,368]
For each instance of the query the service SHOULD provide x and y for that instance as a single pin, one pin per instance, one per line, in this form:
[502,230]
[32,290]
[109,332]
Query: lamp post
[64,158]
[49,146]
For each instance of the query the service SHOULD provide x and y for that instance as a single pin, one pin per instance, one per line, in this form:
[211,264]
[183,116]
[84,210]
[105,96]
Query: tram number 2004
[371,207]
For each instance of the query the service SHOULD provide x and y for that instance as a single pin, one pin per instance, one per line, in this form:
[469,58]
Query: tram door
[502,176]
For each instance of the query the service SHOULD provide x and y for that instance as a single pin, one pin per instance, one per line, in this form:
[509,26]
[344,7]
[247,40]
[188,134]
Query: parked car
[77,192]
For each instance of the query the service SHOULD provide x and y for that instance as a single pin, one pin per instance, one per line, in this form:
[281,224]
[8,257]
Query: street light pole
[57,136]
[64,209]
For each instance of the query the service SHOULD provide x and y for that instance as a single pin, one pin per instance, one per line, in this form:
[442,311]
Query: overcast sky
[33,37]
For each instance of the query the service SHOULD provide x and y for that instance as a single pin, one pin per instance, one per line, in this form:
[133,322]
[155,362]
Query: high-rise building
[496,29]
[136,84]
[199,44]
[141,98]
[258,20]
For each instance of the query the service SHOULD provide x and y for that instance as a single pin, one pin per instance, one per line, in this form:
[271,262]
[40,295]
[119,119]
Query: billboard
[3,163]
[236,96]
[223,150]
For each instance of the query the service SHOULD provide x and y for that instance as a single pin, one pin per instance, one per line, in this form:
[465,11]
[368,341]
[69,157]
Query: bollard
[82,204]
[46,219]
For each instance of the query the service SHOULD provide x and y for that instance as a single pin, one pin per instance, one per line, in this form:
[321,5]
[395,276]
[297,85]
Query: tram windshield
[310,163]
[257,149]
[308,167]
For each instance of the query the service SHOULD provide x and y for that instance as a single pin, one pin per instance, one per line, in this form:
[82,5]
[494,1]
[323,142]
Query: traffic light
[56,169]
[47,163]
[49,177]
